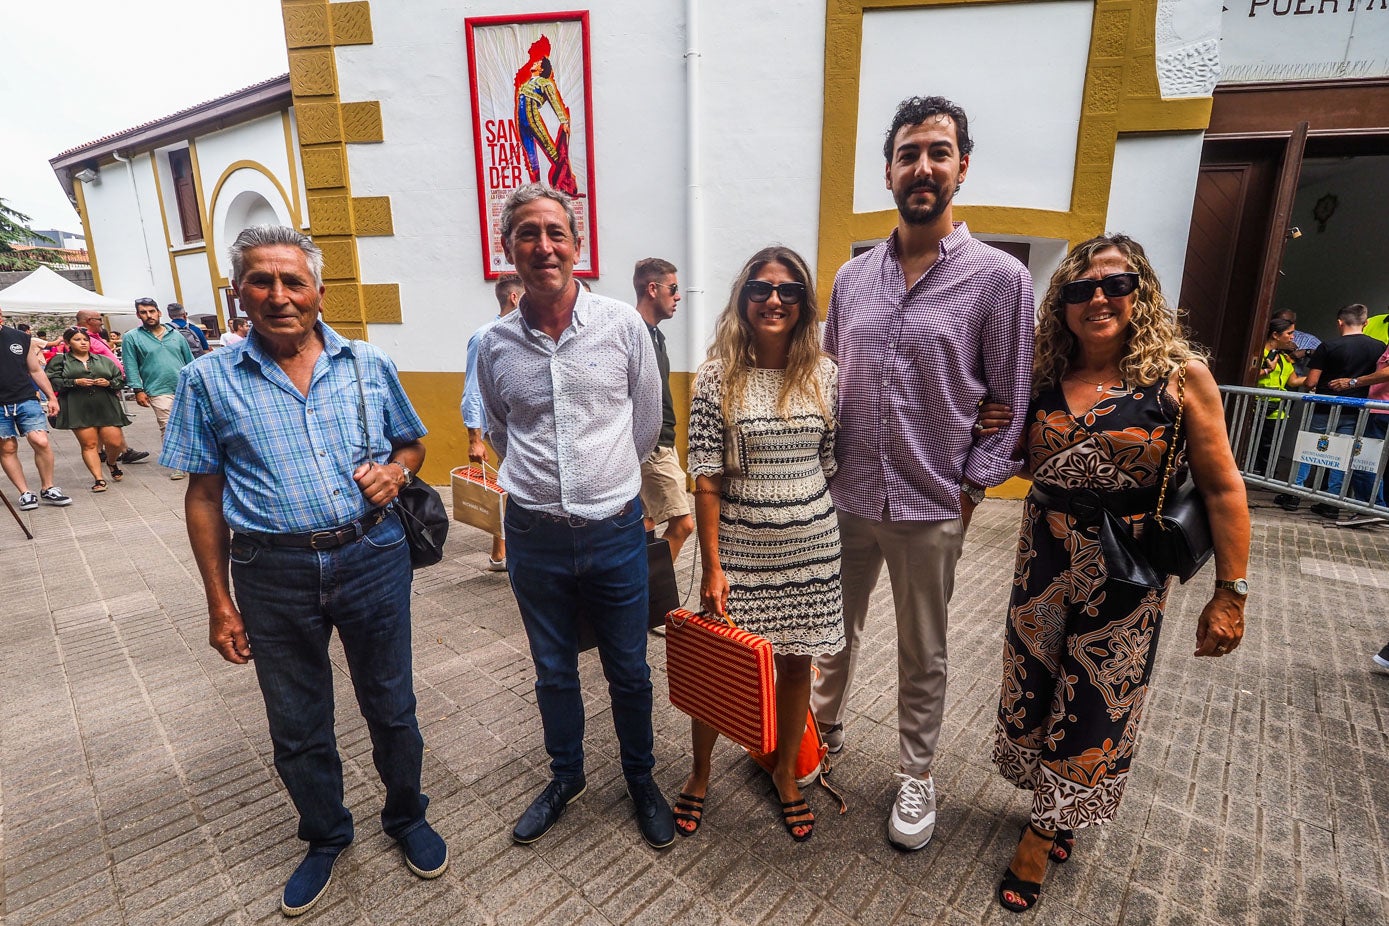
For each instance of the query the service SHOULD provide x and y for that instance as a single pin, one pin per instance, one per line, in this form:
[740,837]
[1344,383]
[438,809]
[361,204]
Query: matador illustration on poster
[535,87]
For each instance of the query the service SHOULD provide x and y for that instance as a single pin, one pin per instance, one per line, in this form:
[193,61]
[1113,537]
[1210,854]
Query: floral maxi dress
[1078,650]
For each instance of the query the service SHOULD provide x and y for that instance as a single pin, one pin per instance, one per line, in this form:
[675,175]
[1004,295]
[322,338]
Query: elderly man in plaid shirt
[924,326]
[292,488]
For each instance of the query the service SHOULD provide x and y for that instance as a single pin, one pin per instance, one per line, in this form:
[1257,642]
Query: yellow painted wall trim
[361,122]
[381,303]
[1121,94]
[87,232]
[292,159]
[371,216]
[249,165]
[214,274]
[164,226]
[190,249]
[351,22]
[326,125]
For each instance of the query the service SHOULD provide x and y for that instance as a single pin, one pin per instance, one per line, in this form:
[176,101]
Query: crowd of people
[820,452]
[78,382]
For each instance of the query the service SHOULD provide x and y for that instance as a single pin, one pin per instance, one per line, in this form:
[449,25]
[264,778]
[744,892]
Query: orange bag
[812,761]
[722,676]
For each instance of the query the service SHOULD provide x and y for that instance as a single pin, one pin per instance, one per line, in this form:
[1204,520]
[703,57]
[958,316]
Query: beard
[923,215]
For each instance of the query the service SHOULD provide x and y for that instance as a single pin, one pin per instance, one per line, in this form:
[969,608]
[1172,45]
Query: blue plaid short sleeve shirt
[287,457]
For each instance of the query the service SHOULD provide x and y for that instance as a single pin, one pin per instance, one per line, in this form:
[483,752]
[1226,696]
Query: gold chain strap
[1172,454]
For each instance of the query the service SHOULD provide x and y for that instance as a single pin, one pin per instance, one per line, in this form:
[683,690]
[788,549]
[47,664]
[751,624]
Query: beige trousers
[162,405]
[921,558]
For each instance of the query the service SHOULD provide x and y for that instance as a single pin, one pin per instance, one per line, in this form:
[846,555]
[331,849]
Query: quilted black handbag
[1177,540]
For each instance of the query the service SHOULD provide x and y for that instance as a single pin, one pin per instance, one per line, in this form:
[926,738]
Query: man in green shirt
[153,355]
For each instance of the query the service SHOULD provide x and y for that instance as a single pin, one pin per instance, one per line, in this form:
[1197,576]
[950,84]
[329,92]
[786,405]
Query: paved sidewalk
[136,784]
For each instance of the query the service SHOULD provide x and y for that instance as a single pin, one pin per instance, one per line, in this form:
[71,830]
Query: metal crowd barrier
[1302,453]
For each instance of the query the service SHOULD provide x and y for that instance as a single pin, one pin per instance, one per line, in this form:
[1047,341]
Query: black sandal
[689,809]
[99,485]
[1029,891]
[1064,845]
[798,808]
[116,472]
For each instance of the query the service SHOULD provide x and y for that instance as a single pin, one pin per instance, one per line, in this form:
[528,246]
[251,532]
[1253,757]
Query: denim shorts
[18,420]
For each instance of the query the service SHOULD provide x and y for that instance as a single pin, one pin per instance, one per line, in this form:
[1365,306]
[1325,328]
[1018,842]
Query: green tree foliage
[14,229]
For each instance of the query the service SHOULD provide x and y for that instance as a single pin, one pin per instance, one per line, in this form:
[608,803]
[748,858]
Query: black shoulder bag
[1177,541]
[421,510]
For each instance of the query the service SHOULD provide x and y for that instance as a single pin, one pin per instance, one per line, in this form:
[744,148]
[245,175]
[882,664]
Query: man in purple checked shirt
[924,326]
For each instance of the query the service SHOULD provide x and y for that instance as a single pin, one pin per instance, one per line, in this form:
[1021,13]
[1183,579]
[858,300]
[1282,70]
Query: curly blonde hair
[734,346]
[1156,344]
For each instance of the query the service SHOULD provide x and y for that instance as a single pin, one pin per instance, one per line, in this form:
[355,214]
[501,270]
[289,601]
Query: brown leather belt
[323,540]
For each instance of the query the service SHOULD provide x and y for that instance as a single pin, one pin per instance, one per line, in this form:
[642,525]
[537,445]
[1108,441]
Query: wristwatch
[1354,381]
[974,492]
[1238,586]
[409,476]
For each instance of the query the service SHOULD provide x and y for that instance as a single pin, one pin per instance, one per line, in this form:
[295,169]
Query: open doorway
[1342,211]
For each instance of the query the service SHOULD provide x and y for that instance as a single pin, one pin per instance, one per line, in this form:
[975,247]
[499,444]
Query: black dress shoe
[1287,502]
[546,809]
[653,813]
[1325,510]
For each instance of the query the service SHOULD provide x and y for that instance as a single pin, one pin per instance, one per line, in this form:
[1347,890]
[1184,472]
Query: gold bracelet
[707,492]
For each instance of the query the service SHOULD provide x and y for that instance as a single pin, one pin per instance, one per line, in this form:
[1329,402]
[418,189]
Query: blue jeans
[290,600]
[19,420]
[1361,483]
[558,572]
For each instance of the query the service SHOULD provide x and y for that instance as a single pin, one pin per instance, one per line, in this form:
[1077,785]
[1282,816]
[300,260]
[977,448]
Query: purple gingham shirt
[913,366]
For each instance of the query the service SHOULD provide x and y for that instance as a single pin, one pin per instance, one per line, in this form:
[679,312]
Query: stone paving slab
[137,784]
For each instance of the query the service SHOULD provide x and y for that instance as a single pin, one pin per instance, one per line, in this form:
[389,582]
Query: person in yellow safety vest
[1378,327]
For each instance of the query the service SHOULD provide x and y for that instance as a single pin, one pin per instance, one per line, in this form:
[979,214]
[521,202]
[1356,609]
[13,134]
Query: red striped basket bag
[722,676]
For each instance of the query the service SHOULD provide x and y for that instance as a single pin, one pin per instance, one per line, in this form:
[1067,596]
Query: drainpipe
[139,212]
[697,312]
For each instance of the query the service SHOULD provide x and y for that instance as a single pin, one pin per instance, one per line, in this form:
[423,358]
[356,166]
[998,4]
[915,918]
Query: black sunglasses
[761,291]
[1116,284]
[673,287]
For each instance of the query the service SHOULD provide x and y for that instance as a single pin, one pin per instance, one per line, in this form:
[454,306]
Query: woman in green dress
[89,403]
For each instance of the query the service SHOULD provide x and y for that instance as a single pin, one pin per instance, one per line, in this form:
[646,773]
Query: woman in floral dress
[1112,367]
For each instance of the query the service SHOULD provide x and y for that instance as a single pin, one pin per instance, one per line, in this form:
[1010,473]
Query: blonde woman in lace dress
[761,449]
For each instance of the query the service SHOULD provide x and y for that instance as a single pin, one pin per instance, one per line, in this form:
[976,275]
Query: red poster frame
[591,240]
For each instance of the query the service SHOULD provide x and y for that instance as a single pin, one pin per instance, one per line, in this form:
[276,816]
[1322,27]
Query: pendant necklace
[1099,387]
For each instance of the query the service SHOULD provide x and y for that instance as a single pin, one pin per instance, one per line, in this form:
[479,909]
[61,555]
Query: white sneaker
[496,565]
[178,474]
[913,818]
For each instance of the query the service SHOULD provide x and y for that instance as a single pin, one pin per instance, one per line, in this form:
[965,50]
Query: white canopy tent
[46,291]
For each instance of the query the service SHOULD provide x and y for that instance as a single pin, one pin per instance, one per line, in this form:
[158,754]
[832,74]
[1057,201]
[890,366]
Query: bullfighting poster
[531,120]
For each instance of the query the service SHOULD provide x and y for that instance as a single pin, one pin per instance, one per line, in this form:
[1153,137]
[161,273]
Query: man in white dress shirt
[572,394]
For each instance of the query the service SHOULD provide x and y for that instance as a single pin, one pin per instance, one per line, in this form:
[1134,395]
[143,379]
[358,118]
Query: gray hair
[264,236]
[529,194]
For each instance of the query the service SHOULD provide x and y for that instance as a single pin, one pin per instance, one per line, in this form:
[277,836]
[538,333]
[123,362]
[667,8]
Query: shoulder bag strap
[361,402]
[1172,447]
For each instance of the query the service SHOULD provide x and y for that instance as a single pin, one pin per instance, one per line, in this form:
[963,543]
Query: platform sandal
[1026,892]
[688,809]
[117,474]
[798,808]
[1064,845]
[99,485]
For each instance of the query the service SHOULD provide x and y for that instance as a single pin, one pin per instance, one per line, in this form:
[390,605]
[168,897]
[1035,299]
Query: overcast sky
[75,70]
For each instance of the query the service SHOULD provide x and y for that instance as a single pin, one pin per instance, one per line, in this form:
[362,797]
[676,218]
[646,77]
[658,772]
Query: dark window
[186,195]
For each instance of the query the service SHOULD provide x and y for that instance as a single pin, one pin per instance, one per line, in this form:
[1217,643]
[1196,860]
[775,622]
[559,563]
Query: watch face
[1242,586]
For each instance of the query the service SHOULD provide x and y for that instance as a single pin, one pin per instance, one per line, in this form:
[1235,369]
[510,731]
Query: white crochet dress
[778,532]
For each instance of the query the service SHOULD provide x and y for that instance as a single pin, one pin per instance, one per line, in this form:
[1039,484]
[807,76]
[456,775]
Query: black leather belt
[575,520]
[324,540]
[1087,505]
